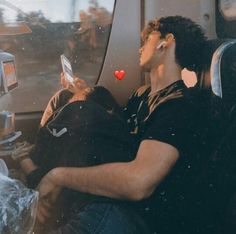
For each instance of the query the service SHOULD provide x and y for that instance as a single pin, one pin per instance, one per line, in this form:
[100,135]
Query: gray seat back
[216,67]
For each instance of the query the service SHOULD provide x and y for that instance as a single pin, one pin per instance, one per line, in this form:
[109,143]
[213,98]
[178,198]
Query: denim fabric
[104,218]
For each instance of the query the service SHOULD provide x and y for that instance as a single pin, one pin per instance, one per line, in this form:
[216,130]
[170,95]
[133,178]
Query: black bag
[80,134]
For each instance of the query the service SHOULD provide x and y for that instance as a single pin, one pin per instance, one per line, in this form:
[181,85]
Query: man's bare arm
[134,180]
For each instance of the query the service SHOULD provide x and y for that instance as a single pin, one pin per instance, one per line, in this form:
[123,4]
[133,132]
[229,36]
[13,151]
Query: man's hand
[48,194]
[43,210]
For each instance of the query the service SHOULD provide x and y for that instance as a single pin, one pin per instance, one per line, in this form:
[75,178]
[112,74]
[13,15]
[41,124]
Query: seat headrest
[204,74]
[218,67]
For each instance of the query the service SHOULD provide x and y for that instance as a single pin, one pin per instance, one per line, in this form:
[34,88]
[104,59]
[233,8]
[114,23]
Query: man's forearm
[116,180]
[133,180]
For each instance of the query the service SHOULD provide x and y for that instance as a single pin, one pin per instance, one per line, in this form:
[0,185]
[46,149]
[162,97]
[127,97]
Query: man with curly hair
[164,117]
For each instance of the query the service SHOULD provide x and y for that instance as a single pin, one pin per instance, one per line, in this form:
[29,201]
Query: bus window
[78,29]
[228,9]
[226,18]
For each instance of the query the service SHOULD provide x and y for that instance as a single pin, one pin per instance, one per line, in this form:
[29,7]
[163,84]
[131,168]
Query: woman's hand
[77,86]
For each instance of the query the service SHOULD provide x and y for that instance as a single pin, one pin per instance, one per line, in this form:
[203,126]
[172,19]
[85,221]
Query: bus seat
[226,70]
[219,69]
[223,72]
[204,75]
[222,162]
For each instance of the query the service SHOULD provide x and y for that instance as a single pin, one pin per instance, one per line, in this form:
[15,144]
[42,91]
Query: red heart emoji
[119,74]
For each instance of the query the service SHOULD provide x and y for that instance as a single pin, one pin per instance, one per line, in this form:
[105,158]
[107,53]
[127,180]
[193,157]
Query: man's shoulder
[184,106]
[199,99]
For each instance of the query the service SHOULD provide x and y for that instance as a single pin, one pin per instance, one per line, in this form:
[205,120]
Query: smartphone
[67,68]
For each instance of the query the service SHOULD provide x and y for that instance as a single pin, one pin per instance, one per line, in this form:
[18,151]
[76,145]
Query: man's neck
[163,76]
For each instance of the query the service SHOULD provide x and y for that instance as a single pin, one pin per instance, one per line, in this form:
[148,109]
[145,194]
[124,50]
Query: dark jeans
[104,218]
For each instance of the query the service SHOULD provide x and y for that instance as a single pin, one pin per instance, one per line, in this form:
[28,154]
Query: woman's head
[104,98]
[99,95]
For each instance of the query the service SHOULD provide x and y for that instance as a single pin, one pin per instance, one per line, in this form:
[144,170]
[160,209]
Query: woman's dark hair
[103,97]
[189,37]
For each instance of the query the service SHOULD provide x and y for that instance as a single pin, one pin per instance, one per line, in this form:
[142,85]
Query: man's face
[149,49]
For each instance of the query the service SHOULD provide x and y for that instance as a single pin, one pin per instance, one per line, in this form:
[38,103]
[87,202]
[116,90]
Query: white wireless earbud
[161,45]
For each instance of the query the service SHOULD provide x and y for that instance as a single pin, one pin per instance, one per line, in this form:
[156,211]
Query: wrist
[56,176]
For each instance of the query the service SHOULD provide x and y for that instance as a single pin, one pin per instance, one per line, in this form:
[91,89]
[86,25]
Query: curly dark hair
[189,37]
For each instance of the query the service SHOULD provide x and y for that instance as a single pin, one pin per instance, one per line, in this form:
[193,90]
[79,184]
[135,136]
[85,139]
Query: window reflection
[79,29]
[228,9]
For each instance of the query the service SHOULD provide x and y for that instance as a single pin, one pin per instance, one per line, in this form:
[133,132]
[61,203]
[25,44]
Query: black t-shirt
[175,116]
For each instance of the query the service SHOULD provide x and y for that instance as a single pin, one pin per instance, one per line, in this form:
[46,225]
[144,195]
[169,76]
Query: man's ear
[161,45]
[169,37]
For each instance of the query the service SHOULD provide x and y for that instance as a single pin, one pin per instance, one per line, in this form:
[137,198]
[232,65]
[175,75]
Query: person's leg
[104,218]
